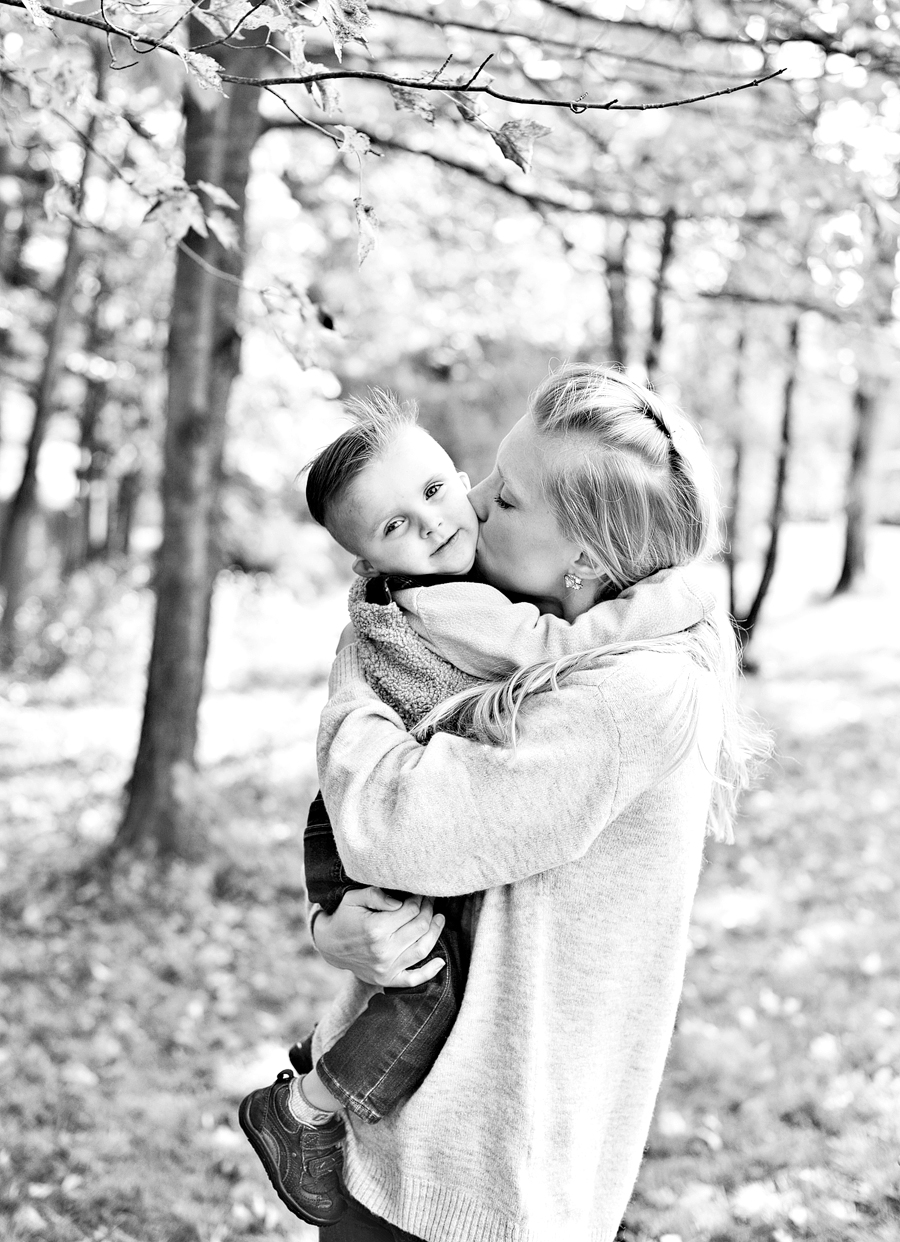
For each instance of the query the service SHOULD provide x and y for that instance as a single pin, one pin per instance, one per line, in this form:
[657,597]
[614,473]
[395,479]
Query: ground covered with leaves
[135,1012]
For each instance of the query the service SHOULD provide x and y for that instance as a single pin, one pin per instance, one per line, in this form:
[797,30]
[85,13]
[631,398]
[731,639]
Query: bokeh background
[193,274]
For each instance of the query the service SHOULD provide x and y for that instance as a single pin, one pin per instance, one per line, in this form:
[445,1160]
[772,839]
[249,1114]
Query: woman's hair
[636,491]
[380,417]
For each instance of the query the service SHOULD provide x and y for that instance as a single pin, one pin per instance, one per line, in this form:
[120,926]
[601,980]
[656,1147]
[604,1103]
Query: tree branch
[369,75]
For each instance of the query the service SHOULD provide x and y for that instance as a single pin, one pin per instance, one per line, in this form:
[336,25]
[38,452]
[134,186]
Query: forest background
[215,222]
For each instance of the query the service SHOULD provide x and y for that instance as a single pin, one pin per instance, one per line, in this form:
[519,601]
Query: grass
[133,1017]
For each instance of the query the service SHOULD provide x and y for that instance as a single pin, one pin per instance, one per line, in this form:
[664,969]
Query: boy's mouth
[445,544]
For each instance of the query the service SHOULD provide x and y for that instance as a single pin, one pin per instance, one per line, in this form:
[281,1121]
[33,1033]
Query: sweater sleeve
[476,627]
[457,816]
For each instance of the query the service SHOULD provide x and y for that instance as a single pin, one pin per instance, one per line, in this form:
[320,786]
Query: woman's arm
[459,816]
[475,627]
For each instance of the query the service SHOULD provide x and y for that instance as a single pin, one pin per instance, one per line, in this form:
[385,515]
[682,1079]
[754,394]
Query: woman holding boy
[575,803]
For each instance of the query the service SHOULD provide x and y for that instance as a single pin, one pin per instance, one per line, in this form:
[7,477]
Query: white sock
[301,1109]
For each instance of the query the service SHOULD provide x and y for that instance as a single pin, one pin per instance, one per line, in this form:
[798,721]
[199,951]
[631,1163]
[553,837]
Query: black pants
[359,1225]
[387,1052]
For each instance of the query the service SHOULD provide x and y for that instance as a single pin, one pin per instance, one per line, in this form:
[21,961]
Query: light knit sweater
[531,1124]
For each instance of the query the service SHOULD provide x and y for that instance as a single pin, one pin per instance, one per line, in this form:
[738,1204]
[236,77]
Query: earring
[573,582]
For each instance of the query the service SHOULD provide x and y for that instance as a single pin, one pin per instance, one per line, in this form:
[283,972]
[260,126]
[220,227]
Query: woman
[580,823]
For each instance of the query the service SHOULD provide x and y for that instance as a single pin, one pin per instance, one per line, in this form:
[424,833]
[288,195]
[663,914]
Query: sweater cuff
[347,672]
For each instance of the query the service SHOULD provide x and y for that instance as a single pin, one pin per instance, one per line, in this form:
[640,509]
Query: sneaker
[302,1162]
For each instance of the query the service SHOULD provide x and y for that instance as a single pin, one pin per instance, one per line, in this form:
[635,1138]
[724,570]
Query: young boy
[391,495]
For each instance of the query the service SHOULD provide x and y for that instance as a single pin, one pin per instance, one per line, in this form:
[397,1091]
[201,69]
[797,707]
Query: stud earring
[573,582]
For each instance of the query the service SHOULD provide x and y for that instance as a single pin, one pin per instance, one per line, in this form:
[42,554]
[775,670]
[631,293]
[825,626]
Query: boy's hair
[379,418]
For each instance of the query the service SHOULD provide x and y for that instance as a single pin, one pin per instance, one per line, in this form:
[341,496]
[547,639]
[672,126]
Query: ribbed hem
[443,1214]
[346,669]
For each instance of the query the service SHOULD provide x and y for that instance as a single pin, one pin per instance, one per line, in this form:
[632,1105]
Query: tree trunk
[617,288]
[121,518]
[866,402]
[657,318]
[735,501]
[747,624]
[22,507]
[203,358]
[81,546]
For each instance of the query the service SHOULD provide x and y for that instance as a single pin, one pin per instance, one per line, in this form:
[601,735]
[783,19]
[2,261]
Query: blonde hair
[637,492]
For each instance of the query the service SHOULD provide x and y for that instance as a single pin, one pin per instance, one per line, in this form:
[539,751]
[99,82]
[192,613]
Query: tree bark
[657,316]
[203,359]
[866,403]
[736,497]
[616,267]
[747,624]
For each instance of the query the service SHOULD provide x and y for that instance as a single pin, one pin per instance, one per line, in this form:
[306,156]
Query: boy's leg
[387,1052]
[326,879]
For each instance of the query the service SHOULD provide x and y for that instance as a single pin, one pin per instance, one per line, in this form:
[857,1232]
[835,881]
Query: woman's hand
[380,938]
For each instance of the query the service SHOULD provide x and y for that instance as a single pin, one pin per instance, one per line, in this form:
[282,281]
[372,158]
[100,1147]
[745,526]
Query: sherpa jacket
[531,1124]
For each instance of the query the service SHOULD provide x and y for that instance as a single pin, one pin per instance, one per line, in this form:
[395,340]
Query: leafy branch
[468,86]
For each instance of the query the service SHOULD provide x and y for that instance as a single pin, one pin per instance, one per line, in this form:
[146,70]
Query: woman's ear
[465,480]
[586,567]
[364,568]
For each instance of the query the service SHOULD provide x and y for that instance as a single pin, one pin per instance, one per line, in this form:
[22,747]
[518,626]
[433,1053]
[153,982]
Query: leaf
[207,72]
[516,140]
[224,229]
[37,14]
[468,106]
[219,196]
[353,142]
[406,100]
[177,213]
[325,94]
[346,20]
[367,224]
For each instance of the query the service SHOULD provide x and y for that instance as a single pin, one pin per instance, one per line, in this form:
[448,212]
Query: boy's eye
[432,490]
[501,503]
[393,525]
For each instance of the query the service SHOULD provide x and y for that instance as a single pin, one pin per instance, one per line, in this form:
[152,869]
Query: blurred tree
[21,510]
[203,359]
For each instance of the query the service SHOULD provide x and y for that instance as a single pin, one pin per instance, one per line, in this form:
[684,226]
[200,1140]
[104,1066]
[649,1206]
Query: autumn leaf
[223,229]
[468,106]
[367,224]
[204,69]
[37,14]
[406,100]
[516,140]
[346,20]
[325,93]
[220,197]
[353,142]
[179,212]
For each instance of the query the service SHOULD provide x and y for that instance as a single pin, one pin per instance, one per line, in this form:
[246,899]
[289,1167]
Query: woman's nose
[478,499]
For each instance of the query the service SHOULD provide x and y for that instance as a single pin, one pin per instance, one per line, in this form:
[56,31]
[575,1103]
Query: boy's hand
[380,938]
[348,636]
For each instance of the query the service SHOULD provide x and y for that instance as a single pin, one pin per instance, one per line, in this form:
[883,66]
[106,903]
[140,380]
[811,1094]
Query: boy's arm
[479,630]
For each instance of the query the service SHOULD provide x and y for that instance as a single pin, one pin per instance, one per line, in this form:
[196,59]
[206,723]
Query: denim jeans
[359,1225]
[389,1049]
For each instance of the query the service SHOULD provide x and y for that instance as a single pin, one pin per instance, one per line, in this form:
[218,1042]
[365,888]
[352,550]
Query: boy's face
[408,512]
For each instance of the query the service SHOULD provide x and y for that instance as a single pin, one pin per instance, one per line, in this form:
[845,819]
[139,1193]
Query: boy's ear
[465,480]
[364,568]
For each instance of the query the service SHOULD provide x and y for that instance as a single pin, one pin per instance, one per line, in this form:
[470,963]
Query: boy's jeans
[389,1049]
